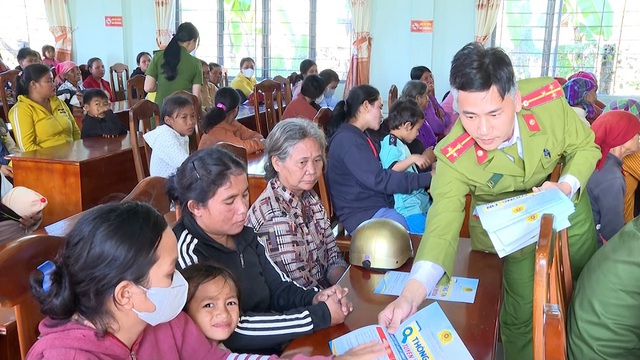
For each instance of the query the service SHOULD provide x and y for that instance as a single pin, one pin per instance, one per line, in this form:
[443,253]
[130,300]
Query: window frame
[266,32]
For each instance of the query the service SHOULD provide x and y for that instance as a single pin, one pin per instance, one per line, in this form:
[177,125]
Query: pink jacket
[178,339]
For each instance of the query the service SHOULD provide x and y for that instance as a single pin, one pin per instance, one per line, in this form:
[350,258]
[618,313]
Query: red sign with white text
[113,21]
[422,26]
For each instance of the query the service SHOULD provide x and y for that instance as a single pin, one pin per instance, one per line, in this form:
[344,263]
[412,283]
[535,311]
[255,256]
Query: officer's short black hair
[404,111]
[476,68]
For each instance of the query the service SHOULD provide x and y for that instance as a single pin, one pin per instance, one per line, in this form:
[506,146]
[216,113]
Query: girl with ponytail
[174,69]
[220,124]
[359,187]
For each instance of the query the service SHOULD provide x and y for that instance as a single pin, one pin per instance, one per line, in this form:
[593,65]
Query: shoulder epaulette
[458,146]
[543,95]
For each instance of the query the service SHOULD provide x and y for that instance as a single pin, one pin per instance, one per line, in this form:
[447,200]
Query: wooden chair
[135,89]
[194,140]
[393,95]
[141,113]
[322,118]
[552,290]
[292,78]
[224,82]
[118,69]
[267,88]
[17,261]
[8,98]
[238,151]
[84,71]
[287,90]
[151,190]
[343,239]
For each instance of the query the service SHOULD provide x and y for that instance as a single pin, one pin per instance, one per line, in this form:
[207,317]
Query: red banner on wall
[113,21]
[422,26]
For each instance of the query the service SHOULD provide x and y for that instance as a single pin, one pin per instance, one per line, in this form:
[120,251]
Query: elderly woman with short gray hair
[288,217]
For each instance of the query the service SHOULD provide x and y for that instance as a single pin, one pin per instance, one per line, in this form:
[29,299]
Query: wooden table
[477,323]
[255,172]
[77,176]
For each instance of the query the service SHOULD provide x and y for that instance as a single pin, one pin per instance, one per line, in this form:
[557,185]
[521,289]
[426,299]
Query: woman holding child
[211,187]
[288,217]
[360,188]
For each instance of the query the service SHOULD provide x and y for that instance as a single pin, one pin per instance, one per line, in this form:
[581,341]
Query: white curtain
[164,10]
[360,64]
[60,26]
[486,18]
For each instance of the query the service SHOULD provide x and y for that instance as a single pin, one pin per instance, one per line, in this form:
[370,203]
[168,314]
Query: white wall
[91,38]
[395,49]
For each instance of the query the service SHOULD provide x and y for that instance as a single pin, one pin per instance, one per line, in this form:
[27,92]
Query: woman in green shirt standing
[174,69]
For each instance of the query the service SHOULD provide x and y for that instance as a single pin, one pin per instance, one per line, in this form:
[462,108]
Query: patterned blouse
[296,234]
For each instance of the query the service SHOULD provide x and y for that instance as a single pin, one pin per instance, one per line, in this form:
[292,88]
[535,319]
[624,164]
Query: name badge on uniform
[493,180]
[546,153]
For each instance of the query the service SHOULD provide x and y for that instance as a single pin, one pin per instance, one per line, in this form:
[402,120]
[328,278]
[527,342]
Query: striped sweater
[274,309]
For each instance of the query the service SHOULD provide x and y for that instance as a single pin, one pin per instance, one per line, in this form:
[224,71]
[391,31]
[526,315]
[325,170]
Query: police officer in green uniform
[506,143]
[604,315]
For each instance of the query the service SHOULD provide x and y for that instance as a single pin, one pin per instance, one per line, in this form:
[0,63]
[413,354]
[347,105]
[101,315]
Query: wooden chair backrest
[267,87]
[195,138]
[287,90]
[17,262]
[238,151]
[84,71]
[322,118]
[225,79]
[292,78]
[393,96]
[552,290]
[8,98]
[135,83]
[118,69]
[142,112]
[151,190]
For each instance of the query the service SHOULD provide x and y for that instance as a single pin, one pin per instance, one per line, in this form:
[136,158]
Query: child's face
[28,61]
[50,54]
[408,133]
[183,121]
[215,309]
[97,107]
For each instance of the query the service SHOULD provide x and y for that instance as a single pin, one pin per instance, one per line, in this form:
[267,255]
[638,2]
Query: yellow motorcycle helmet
[380,244]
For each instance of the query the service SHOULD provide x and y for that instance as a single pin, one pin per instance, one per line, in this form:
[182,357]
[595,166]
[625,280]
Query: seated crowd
[254,276]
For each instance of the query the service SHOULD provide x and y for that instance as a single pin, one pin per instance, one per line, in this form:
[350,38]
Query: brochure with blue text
[427,334]
[514,223]
[459,289]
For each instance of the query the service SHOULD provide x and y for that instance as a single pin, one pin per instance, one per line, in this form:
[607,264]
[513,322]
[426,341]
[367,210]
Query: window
[25,25]
[561,37]
[277,34]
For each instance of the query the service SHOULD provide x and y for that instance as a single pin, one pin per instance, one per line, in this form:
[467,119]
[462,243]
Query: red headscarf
[612,129]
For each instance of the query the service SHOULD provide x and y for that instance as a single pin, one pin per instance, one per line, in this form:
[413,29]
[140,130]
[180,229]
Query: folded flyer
[514,223]
[459,289]
[427,334]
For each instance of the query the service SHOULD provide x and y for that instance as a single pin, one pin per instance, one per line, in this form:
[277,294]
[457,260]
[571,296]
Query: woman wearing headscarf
[580,94]
[630,163]
[590,76]
[69,81]
[617,135]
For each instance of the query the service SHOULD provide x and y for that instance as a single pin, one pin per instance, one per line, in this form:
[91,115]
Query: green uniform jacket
[604,315]
[557,133]
[189,74]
